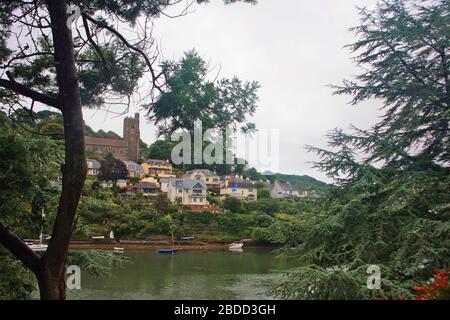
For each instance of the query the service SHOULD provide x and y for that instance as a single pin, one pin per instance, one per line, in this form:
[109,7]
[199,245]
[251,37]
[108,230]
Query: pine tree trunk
[51,274]
[51,284]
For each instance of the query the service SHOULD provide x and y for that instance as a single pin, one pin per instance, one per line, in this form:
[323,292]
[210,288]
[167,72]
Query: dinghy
[171,251]
[38,247]
[235,246]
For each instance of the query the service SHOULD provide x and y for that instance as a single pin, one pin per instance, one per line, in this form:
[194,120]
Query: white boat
[119,250]
[38,247]
[235,246]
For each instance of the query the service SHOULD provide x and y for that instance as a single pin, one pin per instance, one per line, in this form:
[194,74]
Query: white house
[188,192]
[283,190]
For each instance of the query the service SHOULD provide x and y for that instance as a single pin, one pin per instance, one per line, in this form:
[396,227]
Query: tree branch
[30,93]
[19,249]
[129,45]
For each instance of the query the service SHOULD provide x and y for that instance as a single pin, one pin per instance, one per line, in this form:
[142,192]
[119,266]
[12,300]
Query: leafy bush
[232,204]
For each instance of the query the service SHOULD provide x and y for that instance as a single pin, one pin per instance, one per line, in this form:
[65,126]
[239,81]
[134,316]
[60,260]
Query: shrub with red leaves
[437,290]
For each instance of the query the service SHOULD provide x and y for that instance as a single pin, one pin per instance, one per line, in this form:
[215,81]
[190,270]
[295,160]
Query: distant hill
[301,182]
[100,133]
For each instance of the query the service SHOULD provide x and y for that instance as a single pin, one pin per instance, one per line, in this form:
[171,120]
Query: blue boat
[167,251]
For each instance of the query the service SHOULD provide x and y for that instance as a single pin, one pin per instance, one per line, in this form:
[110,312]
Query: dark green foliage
[264,220]
[263,193]
[16,283]
[232,204]
[300,182]
[235,224]
[269,206]
[160,150]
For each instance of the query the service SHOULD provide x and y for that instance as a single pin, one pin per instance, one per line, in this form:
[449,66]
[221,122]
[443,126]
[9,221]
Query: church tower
[132,136]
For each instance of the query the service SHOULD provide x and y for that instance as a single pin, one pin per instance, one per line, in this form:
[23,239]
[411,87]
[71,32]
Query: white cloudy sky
[294,48]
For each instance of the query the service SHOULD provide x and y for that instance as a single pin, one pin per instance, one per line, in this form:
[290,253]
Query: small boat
[187,238]
[38,247]
[171,251]
[235,246]
[118,250]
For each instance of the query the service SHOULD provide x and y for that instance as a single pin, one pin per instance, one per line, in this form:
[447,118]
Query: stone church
[126,148]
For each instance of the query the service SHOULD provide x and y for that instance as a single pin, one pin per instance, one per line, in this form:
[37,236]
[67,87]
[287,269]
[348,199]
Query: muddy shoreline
[154,246]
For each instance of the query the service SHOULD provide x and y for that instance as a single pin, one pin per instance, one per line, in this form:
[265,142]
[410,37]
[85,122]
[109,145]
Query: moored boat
[236,246]
[38,247]
[171,251]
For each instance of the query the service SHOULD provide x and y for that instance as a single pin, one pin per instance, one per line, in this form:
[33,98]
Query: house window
[180,190]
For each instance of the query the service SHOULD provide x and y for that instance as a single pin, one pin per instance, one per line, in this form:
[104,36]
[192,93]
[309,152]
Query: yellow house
[158,168]
[241,190]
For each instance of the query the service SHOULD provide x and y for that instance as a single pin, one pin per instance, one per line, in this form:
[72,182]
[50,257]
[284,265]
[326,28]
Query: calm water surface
[188,275]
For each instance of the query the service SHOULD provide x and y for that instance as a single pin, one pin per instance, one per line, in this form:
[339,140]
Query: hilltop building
[126,148]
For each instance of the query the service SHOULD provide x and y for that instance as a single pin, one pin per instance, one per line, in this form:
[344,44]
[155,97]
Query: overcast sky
[293,48]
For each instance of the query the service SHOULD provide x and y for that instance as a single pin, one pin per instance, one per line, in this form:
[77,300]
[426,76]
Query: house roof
[105,142]
[93,164]
[206,172]
[187,183]
[158,162]
[242,184]
[234,178]
[145,185]
[133,166]
[286,186]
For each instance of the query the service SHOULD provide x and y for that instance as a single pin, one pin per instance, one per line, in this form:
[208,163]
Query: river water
[218,274]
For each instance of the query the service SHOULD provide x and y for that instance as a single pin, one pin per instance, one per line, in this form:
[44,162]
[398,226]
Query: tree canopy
[189,96]
[392,208]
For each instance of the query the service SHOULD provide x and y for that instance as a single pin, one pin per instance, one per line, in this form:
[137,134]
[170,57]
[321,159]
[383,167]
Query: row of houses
[191,188]
[153,168]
